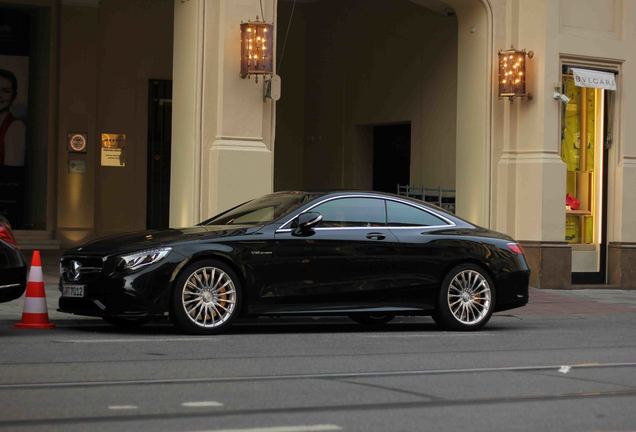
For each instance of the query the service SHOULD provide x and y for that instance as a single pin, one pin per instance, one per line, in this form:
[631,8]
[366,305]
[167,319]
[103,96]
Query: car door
[346,261]
[421,252]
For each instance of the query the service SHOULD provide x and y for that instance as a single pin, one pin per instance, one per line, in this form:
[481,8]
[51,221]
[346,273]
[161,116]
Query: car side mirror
[306,221]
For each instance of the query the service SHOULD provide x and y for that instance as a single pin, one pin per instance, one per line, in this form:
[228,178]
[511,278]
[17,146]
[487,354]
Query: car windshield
[261,210]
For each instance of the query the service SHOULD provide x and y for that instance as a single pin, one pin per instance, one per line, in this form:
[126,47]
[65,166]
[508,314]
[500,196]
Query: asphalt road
[567,362]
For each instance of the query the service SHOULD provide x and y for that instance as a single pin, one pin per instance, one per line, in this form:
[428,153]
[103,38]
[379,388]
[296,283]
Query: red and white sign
[77,142]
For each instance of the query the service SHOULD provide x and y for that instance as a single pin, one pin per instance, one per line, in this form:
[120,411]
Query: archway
[350,67]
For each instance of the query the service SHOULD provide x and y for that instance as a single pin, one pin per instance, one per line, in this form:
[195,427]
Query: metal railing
[441,197]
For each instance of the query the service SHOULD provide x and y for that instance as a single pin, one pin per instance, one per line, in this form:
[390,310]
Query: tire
[126,323]
[206,297]
[372,319]
[466,299]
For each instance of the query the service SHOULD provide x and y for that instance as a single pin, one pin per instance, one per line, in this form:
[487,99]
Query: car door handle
[376,236]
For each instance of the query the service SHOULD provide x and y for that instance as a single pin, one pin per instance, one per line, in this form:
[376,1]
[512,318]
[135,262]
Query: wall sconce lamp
[512,73]
[256,48]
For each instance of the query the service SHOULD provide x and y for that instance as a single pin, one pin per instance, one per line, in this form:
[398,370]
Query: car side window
[403,215]
[352,212]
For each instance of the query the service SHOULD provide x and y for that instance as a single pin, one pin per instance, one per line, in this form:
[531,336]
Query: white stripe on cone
[35,274]
[35,305]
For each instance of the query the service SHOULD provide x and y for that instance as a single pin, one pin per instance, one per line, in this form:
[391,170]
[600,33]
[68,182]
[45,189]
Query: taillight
[515,248]
[7,235]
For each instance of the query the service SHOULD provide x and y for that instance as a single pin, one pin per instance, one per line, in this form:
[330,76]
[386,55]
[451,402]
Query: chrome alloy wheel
[469,297]
[209,297]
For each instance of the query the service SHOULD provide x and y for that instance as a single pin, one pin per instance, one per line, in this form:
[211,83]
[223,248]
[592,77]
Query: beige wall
[530,176]
[106,61]
[350,65]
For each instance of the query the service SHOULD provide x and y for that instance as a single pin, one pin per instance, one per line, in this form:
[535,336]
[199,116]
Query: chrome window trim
[10,285]
[449,223]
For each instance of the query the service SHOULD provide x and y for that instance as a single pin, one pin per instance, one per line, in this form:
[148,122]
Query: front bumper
[138,294]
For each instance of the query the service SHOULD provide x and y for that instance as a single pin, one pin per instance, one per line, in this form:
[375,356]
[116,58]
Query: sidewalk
[542,302]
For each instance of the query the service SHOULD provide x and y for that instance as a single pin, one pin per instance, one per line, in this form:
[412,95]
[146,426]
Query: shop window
[581,150]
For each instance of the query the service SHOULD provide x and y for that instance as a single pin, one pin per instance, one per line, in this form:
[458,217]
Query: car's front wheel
[206,298]
[466,299]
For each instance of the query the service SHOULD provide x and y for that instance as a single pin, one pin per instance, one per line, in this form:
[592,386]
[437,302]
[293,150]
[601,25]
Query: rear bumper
[512,290]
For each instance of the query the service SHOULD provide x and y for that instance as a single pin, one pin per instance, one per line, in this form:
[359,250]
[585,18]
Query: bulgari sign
[594,79]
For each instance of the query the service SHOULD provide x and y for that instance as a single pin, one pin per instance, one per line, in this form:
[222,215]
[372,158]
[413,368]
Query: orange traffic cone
[35,314]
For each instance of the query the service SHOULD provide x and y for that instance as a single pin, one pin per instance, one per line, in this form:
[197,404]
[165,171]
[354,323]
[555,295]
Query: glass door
[582,150]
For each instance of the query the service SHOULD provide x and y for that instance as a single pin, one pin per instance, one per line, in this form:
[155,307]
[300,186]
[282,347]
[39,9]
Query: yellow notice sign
[113,150]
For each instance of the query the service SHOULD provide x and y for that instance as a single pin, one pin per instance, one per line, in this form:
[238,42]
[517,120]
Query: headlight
[141,259]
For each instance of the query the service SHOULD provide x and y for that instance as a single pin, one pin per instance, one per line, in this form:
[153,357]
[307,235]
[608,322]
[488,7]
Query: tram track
[301,376]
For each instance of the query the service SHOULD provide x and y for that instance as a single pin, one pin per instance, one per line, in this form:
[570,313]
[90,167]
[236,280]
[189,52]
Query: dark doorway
[159,132]
[391,157]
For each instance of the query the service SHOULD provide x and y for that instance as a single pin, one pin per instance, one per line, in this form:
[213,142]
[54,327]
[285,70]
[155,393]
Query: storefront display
[581,149]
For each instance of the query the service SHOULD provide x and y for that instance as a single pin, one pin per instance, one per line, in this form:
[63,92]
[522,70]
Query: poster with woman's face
[19,66]
[14,81]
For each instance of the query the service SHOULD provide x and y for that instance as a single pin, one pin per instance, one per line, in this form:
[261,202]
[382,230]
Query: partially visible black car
[12,264]
[366,255]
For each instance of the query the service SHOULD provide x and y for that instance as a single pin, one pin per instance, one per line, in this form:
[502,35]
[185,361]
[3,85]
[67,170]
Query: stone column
[222,137]
[530,186]
[474,104]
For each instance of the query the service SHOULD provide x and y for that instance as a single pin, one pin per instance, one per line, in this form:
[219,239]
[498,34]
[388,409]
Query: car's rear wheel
[372,319]
[466,299]
[206,298]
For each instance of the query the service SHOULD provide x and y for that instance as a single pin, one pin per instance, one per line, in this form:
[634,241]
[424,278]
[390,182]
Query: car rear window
[403,215]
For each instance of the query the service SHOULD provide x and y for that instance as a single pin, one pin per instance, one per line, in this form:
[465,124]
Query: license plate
[73,291]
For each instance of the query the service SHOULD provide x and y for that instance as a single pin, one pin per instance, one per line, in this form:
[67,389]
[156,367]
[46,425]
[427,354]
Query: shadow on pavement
[266,326]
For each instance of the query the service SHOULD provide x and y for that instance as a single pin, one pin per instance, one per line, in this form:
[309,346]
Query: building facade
[136,116]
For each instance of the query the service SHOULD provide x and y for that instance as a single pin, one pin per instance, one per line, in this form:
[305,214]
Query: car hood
[141,240]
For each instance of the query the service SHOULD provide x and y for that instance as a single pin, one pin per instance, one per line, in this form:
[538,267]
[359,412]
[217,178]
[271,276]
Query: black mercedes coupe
[366,255]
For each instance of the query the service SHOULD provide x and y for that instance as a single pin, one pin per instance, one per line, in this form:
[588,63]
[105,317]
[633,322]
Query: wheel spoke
[455,302]
[483,290]
[205,315]
[217,304]
[197,278]
[222,286]
[190,284]
[205,278]
[227,293]
[478,308]
[221,317]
